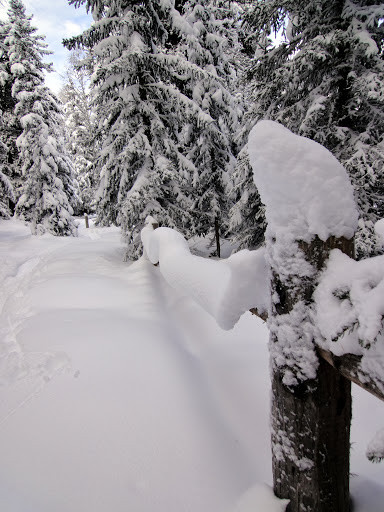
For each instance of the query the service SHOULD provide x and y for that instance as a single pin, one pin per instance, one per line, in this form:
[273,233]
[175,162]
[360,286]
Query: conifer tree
[10,127]
[209,45]
[6,188]
[325,80]
[246,216]
[47,171]
[149,117]
[80,123]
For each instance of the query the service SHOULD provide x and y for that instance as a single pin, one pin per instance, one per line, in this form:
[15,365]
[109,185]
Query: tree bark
[217,236]
[310,442]
[311,420]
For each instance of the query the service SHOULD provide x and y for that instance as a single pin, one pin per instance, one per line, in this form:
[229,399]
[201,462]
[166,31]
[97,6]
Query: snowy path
[118,394]
[133,419]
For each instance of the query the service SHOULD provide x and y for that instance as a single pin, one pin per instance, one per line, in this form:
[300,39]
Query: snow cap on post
[305,189]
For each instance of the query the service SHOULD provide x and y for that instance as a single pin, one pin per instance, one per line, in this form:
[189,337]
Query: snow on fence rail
[225,289]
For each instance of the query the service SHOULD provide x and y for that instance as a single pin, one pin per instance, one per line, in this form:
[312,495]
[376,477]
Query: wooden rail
[348,365]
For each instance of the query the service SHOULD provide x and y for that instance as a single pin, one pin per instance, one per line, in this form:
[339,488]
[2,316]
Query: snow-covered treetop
[305,189]
[26,49]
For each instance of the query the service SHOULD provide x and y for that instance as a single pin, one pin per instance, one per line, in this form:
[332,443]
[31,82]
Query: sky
[56,20]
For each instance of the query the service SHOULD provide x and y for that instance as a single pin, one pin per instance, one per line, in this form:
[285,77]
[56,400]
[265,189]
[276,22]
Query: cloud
[72,29]
[56,20]
[54,82]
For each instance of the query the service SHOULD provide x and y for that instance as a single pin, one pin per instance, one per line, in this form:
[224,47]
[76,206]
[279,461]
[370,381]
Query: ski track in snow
[121,394]
[21,264]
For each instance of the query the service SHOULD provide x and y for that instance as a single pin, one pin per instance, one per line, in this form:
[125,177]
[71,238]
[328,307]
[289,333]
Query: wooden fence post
[311,420]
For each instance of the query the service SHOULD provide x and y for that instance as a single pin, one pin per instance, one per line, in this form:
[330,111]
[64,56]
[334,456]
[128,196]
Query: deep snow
[119,393]
[224,288]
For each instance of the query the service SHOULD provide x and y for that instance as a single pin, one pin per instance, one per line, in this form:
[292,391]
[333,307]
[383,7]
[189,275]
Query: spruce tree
[133,114]
[10,127]
[247,222]
[152,119]
[209,44]
[325,81]
[80,123]
[6,189]
[47,187]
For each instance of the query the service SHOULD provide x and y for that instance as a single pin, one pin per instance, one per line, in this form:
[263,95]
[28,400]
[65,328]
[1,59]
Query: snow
[17,69]
[129,397]
[221,287]
[350,304]
[349,311]
[305,189]
[136,43]
[364,38]
[375,449]
[293,349]
[29,120]
[260,498]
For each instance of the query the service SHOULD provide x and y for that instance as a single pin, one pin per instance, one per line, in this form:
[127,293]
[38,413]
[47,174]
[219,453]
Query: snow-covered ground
[119,393]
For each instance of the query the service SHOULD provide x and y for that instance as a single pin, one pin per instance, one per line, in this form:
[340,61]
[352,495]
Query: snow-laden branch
[225,289]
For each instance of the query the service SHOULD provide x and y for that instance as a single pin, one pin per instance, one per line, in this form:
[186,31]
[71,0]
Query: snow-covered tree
[47,188]
[6,189]
[246,217]
[132,109]
[7,102]
[209,44]
[80,122]
[164,148]
[325,80]
[10,127]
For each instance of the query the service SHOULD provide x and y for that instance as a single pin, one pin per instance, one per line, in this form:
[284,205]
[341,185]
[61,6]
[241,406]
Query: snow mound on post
[305,189]
[225,289]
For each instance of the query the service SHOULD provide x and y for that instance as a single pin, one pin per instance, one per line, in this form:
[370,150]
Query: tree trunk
[217,236]
[310,421]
